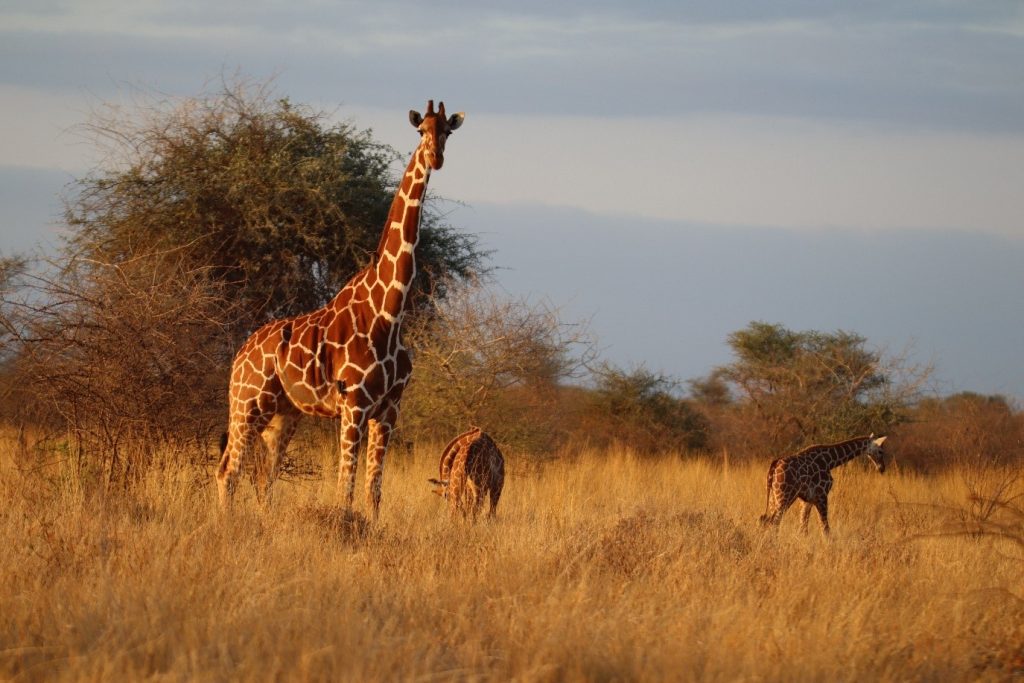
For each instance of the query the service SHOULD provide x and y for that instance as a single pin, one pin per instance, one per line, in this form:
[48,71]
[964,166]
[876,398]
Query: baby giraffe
[807,475]
[471,466]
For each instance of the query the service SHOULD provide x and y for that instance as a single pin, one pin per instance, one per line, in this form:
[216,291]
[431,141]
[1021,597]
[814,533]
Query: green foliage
[802,387]
[641,409]
[208,217]
[712,390]
[485,359]
[284,206]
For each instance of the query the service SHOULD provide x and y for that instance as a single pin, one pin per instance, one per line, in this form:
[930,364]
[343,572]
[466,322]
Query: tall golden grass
[599,567]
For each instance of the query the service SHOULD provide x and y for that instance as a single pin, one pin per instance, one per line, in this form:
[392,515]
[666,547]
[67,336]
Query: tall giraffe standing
[807,475]
[345,360]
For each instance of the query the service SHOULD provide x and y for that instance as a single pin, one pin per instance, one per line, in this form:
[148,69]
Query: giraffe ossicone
[344,360]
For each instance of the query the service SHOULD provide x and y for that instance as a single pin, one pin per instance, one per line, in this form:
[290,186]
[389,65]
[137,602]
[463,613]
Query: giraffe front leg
[380,431]
[352,428]
[822,505]
[376,448]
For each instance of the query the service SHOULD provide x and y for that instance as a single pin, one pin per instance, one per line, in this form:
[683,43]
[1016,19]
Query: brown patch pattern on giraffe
[345,360]
[807,476]
[470,468]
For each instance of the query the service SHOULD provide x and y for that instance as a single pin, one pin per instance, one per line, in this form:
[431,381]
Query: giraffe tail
[223,442]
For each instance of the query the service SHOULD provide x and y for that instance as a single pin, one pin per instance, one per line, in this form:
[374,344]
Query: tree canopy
[798,387]
[208,217]
[284,205]
[640,408]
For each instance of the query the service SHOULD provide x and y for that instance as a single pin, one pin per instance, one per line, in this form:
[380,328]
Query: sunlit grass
[600,567]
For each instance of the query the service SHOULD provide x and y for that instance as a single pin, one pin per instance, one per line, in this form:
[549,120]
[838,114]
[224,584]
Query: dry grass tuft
[608,567]
[336,521]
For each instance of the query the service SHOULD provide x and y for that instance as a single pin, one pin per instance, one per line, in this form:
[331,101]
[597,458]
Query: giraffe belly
[314,401]
[351,384]
[305,371]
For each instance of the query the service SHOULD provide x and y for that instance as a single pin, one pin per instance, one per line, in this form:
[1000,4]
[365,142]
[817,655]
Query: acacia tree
[124,362]
[643,410]
[796,388]
[487,359]
[966,430]
[208,217]
[283,205]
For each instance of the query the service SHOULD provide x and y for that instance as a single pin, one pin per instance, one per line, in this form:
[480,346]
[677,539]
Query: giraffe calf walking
[807,475]
[471,467]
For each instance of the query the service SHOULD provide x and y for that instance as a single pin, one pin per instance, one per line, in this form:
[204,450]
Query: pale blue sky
[822,165]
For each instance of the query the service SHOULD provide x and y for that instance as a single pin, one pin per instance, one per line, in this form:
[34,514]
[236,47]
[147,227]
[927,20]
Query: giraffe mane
[812,447]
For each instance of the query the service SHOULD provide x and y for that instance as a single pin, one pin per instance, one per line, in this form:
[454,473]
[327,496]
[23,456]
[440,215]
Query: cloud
[30,208]
[741,171]
[729,170]
[910,64]
[668,293]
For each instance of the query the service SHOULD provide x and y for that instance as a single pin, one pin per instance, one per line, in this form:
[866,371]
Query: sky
[668,171]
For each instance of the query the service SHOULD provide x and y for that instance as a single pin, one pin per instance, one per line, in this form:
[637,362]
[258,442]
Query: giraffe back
[471,467]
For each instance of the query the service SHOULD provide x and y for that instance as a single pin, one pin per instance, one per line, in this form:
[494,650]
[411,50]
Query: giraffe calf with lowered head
[807,475]
[471,467]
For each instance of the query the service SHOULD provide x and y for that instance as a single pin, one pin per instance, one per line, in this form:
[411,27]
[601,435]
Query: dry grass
[606,568]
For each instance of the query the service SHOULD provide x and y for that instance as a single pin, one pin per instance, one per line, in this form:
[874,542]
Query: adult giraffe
[345,360]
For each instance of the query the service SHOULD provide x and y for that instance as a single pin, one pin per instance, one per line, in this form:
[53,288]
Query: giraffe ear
[880,440]
[414,118]
[455,120]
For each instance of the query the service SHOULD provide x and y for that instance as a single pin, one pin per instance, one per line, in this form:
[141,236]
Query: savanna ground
[600,567]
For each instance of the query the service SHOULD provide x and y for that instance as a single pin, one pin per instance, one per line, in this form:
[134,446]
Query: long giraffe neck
[844,452]
[396,254]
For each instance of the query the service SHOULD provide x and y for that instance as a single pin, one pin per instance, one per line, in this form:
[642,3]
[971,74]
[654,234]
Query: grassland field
[600,567]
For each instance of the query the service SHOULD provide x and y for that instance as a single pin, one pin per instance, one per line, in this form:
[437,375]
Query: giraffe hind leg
[773,493]
[497,483]
[774,517]
[805,514]
[477,500]
[276,436]
[494,495]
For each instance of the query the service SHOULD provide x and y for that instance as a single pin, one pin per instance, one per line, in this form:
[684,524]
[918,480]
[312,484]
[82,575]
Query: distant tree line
[215,214]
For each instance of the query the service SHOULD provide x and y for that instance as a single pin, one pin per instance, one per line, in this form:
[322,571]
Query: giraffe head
[440,487]
[875,453]
[434,129]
